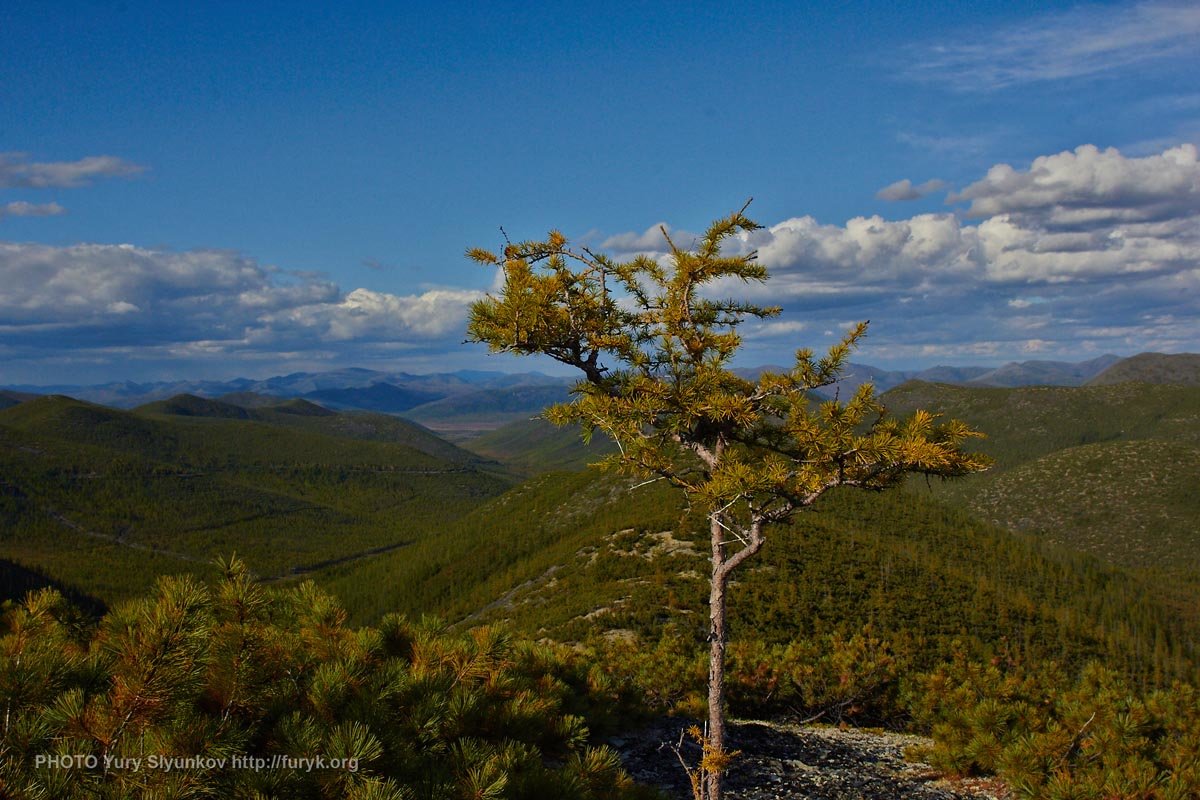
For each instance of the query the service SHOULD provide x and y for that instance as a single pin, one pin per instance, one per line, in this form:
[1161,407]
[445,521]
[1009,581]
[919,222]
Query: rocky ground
[791,762]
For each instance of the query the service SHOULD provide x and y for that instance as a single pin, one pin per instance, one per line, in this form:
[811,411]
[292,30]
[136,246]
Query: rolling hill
[1039,373]
[1104,468]
[392,392]
[189,405]
[1182,368]
[572,556]
[302,415]
[9,399]
[1129,502]
[104,500]
[354,383]
[1012,374]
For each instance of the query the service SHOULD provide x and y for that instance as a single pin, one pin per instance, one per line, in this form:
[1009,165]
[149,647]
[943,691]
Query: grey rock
[791,762]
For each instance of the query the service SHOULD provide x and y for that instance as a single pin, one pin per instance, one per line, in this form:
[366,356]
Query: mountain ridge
[432,395]
[128,394]
[1152,368]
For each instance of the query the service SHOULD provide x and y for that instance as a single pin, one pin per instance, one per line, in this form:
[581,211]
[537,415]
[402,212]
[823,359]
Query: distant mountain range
[1010,375]
[465,397]
[371,390]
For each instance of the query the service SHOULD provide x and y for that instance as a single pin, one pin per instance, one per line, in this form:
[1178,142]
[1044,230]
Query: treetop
[655,347]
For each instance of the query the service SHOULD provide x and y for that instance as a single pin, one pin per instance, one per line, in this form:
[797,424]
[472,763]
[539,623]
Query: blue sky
[211,190]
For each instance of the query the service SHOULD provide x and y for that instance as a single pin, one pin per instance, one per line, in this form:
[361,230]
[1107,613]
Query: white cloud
[1069,247]
[904,190]
[1088,214]
[21,208]
[102,296]
[775,329]
[866,255]
[1077,216]
[1091,187]
[367,315]
[1078,253]
[1086,41]
[17,172]
[42,282]
[650,240]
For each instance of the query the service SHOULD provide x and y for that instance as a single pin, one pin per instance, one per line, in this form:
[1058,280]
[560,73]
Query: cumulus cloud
[21,208]
[98,297]
[867,255]
[1086,41]
[1091,188]
[374,316]
[16,172]
[774,329]
[1075,216]
[650,240]
[1053,252]
[904,190]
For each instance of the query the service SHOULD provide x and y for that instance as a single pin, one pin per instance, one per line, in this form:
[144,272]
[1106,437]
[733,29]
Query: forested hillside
[1177,368]
[303,415]
[1106,469]
[103,500]
[106,500]
[574,556]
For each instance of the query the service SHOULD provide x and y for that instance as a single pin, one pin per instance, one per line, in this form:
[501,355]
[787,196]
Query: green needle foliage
[1051,738]
[655,348]
[238,689]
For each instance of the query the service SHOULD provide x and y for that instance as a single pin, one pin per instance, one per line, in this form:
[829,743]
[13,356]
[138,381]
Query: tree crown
[655,350]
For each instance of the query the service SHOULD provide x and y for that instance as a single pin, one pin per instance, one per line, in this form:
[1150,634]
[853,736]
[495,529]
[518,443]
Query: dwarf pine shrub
[243,691]
[1052,738]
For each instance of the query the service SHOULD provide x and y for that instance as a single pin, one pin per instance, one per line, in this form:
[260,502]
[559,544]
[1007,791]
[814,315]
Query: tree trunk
[716,664]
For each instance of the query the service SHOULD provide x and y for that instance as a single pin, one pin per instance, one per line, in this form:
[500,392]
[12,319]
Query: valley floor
[801,762]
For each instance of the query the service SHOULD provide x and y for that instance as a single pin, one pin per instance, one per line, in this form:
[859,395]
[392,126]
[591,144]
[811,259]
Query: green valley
[575,556]
[106,500]
[530,446]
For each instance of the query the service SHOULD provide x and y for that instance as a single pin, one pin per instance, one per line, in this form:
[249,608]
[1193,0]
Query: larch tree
[654,347]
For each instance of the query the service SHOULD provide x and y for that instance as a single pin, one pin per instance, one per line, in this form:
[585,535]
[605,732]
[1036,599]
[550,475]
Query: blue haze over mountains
[401,392]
